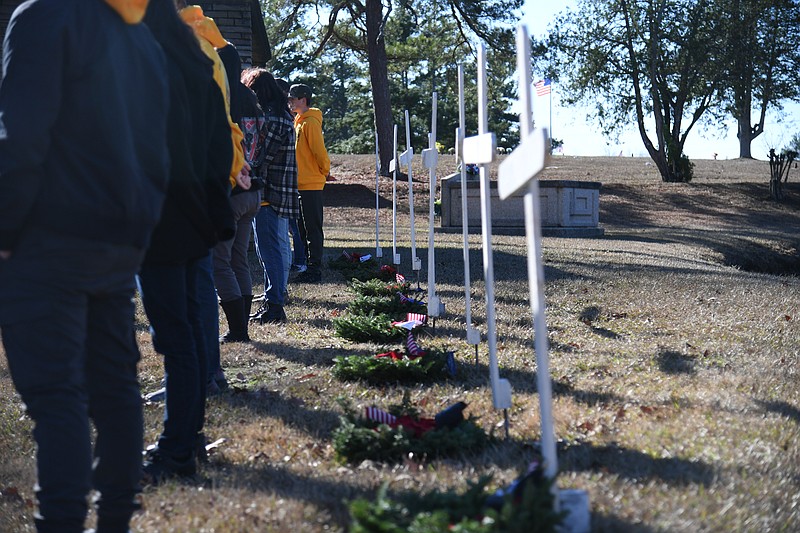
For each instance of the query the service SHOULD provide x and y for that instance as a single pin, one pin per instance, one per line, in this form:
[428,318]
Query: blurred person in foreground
[196,216]
[83,173]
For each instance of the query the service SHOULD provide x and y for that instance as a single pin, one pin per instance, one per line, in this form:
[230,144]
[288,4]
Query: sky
[582,137]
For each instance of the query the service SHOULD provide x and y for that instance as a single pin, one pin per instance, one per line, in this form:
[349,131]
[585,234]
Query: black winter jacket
[74,77]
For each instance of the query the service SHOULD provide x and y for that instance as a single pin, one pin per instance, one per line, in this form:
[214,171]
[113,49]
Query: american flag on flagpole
[542,87]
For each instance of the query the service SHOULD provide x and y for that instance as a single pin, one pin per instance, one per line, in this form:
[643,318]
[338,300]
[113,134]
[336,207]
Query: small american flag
[414,350]
[418,317]
[542,87]
[400,278]
[406,300]
[373,413]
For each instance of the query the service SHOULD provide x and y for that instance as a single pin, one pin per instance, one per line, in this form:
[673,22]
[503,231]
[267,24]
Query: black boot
[247,302]
[274,315]
[237,322]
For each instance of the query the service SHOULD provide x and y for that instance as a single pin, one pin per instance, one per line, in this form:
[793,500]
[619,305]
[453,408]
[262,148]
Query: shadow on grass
[331,494]
[672,362]
[292,411]
[633,464]
[603,523]
[784,409]
[290,352]
[474,376]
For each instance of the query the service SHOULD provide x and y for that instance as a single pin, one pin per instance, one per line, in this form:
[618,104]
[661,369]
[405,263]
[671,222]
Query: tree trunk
[379,78]
[744,133]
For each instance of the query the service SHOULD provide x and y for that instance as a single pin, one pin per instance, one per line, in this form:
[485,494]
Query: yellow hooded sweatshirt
[313,163]
[210,38]
[131,11]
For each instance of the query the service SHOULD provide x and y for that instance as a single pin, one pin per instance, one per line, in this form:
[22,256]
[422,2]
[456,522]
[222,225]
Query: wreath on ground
[526,506]
[391,435]
[361,267]
[378,287]
[396,306]
[369,327]
[412,365]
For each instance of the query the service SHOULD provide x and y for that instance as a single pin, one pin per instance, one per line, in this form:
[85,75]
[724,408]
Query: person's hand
[5,254]
[243,178]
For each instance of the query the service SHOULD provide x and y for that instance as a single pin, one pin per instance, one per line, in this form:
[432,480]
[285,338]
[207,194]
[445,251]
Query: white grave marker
[518,170]
[430,158]
[378,250]
[480,150]
[394,168]
[473,335]
[405,159]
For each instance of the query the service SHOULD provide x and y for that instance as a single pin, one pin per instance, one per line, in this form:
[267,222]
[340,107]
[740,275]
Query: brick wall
[233,20]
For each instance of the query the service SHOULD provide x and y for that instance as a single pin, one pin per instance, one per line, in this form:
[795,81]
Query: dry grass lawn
[674,343]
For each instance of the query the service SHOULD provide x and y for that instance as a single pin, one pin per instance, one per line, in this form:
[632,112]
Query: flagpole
[550,148]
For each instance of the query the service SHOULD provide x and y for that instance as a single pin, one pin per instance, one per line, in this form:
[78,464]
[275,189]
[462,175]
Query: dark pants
[67,318]
[310,223]
[170,298]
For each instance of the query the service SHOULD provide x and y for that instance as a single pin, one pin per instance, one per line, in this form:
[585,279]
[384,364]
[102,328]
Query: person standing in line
[231,265]
[210,39]
[297,248]
[83,174]
[313,168]
[197,214]
[280,193]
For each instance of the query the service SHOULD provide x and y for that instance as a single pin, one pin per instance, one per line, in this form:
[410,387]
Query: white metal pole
[378,251]
[473,335]
[396,165]
[431,157]
[416,264]
[486,226]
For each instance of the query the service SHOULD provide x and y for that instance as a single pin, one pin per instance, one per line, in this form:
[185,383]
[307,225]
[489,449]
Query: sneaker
[156,396]
[234,337]
[309,276]
[159,467]
[298,268]
[274,315]
[261,310]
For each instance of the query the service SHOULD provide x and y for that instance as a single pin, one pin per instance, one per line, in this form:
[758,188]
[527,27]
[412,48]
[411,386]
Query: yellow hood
[131,11]
[203,26]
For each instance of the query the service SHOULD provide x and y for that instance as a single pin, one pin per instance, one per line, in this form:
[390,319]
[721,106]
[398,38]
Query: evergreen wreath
[394,306]
[351,267]
[358,438]
[529,508]
[368,327]
[393,367]
[378,287]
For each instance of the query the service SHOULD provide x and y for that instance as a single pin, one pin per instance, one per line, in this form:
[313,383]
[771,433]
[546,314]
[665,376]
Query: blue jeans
[272,236]
[209,316]
[67,319]
[299,255]
[170,298]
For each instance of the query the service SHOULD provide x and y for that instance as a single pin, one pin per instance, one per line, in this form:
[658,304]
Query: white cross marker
[394,168]
[405,159]
[512,177]
[473,335]
[378,250]
[480,150]
[430,158]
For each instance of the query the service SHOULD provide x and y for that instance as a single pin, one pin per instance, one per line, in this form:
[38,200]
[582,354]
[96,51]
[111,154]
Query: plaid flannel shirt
[279,168]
